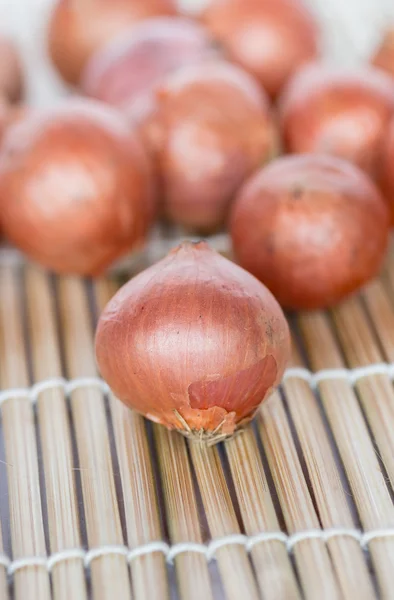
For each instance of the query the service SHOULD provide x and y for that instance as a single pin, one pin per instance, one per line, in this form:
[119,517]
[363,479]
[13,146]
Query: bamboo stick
[271,561]
[149,575]
[182,514]
[331,501]
[3,573]
[360,348]
[311,555]
[27,531]
[68,576]
[233,562]
[110,578]
[354,444]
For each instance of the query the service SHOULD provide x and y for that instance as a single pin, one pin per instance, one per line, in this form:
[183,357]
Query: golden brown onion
[212,128]
[338,111]
[384,56]
[194,343]
[387,169]
[312,228]
[268,38]
[126,72]
[11,72]
[75,187]
[78,28]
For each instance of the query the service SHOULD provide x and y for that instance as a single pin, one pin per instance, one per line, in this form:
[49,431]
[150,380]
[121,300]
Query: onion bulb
[126,72]
[194,343]
[11,73]
[312,228]
[78,28]
[384,56]
[340,112]
[268,38]
[387,169]
[75,187]
[212,128]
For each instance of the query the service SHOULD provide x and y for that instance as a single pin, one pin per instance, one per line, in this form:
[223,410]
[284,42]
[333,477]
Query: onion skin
[312,228]
[384,56]
[212,128]
[126,72]
[387,170]
[75,188]
[11,72]
[268,38]
[194,343]
[78,28]
[340,112]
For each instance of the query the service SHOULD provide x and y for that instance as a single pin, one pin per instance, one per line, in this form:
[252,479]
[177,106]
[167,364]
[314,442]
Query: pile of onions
[194,343]
[11,72]
[126,72]
[268,38]
[78,28]
[312,228]
[387,169]
[75,187]
[211,129]
[338,111]
[384,56]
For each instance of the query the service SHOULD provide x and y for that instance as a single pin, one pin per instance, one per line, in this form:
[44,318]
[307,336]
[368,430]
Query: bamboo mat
[97,503]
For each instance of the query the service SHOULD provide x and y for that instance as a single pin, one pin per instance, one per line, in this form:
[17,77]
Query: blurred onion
[212,128]
[384,56]
[78,28]
[338,111]
[268,38]
[387,170]
[11,72]
[75,187]
[126,71]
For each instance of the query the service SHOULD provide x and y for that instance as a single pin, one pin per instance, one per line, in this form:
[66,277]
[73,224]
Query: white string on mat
[209,550]
[313,379]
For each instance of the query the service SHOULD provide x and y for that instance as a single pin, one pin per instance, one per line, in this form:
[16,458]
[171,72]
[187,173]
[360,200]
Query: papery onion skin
[75,187]
[194,343]
[384,56]
[213,126]
[126,71]
[11,71]
[78,28]
[312,228]
[387,169]
[268,38]
[338,111]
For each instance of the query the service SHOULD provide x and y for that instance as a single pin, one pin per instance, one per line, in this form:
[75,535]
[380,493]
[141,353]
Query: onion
[11,74]
[384,56]
[212,128]
[75,187]
[78,28]
[338,111]
[194,343]
[126,72]
[268,38]
[313,228]
[387,169]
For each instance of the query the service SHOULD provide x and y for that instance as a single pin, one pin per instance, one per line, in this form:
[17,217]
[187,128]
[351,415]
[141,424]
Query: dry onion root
[126,72]
[338,111]
[78,28]
[194,343]
[312,228]
[75,187]
[268,38]
[212,127]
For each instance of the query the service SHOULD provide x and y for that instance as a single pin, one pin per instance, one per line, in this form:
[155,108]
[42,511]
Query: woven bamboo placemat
[96,502]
